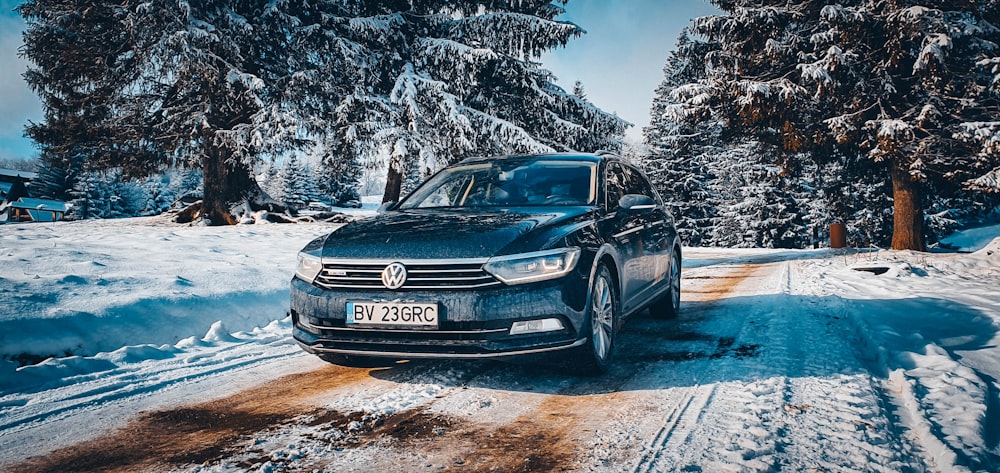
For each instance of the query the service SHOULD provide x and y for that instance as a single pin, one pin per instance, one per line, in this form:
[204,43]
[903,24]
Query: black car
[493,257]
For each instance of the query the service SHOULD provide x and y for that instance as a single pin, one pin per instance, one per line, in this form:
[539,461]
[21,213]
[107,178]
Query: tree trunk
[393,182]
[225,184]
[908,214]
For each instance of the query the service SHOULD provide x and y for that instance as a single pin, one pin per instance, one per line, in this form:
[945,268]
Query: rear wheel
[669,305]
[602,320]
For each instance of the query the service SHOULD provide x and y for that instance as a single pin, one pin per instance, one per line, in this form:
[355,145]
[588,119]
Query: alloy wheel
[602,317]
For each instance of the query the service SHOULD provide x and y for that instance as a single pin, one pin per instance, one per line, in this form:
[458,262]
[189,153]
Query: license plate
[407,314]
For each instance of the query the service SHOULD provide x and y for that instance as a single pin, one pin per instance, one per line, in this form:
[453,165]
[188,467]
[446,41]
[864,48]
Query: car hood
[429,234]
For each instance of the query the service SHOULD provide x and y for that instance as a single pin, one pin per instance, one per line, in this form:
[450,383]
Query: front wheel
[602,320]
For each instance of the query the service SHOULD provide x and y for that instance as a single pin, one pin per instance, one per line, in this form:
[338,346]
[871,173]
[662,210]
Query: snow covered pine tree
[450,79]
[217,85]
[727,187]
[680,146]
[77,79]
[912,87]
[204,84]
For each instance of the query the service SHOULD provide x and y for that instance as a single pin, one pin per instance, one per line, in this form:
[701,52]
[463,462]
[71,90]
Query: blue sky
[18,104]
[619,61]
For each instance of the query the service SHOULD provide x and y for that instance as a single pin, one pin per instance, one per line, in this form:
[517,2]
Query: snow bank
[930,324]
[80,288]
[990,251]
[972,239]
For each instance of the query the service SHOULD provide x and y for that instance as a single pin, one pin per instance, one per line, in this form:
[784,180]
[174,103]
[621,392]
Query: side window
[616,185]
[638,184]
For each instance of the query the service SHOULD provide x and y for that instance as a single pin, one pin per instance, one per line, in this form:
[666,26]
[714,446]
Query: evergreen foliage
[56,177]
[108,194]
[452,79]
[295,179]
[680,151]
[757,208]
[81,65]
[337,181]
[217,85]
[863,87]
[271,182]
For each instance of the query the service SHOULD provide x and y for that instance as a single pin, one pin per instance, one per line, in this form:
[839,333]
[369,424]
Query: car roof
[583,157]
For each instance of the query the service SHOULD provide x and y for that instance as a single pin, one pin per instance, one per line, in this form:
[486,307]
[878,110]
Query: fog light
[535,326]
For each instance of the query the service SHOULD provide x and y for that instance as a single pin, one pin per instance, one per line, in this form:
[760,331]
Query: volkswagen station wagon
[493,257]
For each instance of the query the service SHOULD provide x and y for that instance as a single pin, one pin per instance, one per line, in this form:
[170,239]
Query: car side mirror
[636,204]
[385,207]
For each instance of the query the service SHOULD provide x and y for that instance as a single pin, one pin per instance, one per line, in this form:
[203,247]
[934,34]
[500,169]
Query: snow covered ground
[818,360]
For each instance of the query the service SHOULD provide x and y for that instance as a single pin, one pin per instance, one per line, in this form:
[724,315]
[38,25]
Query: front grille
[465,274]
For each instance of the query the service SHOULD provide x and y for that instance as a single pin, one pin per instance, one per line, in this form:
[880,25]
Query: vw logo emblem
[394,276]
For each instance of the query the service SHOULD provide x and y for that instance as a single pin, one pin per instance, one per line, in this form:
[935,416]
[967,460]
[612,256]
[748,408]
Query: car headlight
[531,267]
[309,267]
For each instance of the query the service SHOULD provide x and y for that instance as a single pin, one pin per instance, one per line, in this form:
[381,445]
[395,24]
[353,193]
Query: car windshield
[540,182]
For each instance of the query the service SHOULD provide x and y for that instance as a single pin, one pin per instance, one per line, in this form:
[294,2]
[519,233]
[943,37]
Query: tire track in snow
[563,421]
[813,393]
[676,429]
[706,400]
[792,393]
[568,426]
[664,397]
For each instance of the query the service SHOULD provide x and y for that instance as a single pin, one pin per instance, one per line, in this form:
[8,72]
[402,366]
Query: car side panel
[653,270]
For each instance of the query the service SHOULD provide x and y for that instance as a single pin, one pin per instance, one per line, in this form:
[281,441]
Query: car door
[657,238]
[626,233]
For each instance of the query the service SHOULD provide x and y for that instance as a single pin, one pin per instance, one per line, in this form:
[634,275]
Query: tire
[669,305]
[602,320]
[356,361]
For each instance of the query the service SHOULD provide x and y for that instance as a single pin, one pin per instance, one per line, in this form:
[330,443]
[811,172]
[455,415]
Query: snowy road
[752,377]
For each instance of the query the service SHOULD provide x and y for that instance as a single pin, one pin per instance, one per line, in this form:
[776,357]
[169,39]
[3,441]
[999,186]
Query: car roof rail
[604,152]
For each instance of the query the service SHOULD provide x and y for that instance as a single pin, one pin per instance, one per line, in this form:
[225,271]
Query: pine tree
[56,177]
[681,148]
[756,201]
[310,186]
[294,179]
[218,85]
[452,79]
[211,85]
[190,183]
[90,197]
[336,178]
[160,193]
[271,182]
[79,70]
[912,88]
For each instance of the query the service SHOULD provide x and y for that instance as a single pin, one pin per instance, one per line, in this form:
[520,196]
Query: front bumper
[473,323]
